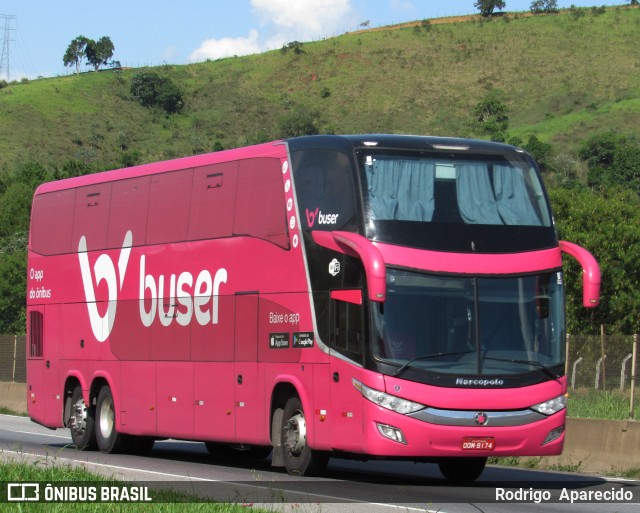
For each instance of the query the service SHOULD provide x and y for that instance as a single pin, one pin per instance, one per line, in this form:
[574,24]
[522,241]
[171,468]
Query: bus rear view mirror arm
[590,273]
[356,245]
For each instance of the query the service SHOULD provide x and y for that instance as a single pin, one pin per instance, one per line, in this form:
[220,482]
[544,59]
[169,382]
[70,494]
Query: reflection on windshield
[472,326]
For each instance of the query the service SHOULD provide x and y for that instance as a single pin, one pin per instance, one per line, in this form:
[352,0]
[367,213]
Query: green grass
[562,78]
[6,411]
[598,404]
[44,471]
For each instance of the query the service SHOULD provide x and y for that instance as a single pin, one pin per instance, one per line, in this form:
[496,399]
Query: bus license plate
[478,444]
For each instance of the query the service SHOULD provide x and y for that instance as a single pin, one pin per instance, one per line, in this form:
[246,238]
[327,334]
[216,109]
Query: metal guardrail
[13,363]
[602,362]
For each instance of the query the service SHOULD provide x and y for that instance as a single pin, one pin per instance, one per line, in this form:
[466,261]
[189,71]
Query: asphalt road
[348,486]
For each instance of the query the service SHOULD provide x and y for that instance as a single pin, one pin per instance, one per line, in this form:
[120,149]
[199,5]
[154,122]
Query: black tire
[81,422]
[107,436]
[299,458]
[462,470]
[224,450]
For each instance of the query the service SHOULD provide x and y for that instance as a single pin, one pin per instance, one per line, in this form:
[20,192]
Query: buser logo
[180,297]
[101,325]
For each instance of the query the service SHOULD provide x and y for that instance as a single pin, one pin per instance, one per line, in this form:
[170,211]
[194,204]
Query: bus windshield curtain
[506,202]
[401,190]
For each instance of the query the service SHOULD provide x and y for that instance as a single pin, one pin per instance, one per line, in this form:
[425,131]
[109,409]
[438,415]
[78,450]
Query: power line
[4,57]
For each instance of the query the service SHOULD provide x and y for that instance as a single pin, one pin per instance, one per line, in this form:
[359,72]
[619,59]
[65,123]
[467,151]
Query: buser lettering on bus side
[194,298]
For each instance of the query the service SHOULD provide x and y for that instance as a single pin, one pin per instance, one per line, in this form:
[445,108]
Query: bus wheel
[107,436]
[81,422]
[299,459]
[462,470]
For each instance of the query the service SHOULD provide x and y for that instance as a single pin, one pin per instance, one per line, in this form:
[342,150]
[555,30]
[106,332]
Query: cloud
[303,20]
[283,21]
[226,47]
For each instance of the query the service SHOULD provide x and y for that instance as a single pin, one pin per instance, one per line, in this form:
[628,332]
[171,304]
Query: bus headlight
[552,406]
[388,401]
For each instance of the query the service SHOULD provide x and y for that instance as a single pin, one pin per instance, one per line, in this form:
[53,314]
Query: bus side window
[91,217]
[169,201]
[129,204]
[324,187]
[348,329]
[52,222]
[260,206]
[35,334]
[212,201]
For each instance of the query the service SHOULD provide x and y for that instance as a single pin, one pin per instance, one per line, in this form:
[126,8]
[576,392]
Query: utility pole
[6,39]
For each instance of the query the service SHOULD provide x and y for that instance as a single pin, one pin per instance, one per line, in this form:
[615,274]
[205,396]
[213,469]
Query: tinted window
[92,216]
[212,201]
[52,222]
[260,205]
[169,200]
[325,190]
[129,204]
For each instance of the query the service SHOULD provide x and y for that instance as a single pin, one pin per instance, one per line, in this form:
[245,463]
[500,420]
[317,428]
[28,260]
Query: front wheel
[462,470]
[81,422]
[299,458]
[107,436]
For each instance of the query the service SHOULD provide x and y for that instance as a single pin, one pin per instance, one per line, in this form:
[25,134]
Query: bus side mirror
[590,273]
[358,246]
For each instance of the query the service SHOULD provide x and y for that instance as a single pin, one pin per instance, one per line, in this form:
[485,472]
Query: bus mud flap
[277,457]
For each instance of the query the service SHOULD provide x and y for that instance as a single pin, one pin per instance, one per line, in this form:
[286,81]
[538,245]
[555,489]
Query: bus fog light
[554,434]
[392,433]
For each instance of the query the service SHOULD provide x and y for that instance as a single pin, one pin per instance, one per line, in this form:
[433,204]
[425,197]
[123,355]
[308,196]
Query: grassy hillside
[563,77]
[567,79]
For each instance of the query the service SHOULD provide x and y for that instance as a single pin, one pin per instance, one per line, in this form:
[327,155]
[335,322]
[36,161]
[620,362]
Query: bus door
[249,407]
[212,351]
[347,349]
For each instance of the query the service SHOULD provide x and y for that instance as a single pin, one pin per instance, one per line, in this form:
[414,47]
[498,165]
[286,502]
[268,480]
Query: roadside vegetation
[564,85]
[49,472]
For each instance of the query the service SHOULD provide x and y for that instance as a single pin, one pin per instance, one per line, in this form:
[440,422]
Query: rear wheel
[299,458]
[81,422]
[107,436]
[462,470]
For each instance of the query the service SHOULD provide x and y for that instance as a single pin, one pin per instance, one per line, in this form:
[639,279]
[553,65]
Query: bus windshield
[492,192]
[471,325]
[498,199]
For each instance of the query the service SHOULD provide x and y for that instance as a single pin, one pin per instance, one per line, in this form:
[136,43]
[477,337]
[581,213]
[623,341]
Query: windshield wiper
[427,357]
[545,369]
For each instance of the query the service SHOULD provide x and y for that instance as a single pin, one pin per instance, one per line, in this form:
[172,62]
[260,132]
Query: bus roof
[271,149]
[277,149]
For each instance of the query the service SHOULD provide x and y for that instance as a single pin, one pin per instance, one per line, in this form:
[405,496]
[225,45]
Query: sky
[153,33]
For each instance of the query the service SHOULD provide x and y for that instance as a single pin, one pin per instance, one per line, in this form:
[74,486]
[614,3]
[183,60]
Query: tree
[544,6]
[490,117]
[607,223]
[75,52]
[486,7]
[299,122]
[150,89]
[99,52]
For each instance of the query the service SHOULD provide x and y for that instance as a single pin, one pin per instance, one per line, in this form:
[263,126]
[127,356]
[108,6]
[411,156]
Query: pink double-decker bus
[369,296]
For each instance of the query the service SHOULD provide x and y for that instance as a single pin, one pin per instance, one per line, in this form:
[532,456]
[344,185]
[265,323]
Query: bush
[300,122]
[152,90]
